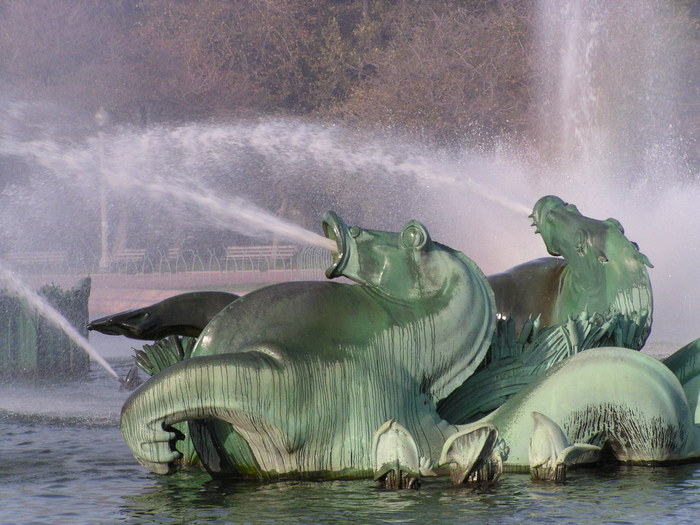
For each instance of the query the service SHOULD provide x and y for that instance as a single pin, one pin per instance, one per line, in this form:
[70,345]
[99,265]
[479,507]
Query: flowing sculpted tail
[234,388]
[155,358]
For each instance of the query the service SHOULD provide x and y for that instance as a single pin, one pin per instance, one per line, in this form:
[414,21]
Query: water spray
[235,209]
[16,286]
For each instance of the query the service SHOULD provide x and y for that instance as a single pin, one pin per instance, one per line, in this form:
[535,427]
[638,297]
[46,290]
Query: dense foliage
[441,69]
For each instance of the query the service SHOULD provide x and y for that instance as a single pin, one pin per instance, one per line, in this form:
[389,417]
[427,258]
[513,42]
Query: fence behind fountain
[137,277]
[310,261]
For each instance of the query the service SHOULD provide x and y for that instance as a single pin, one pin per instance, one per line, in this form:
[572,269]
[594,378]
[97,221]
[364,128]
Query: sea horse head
[580,239]
[405,266]
[605,269]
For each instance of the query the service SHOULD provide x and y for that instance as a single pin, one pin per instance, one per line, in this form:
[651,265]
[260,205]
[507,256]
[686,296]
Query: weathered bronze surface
[401,372]
[185,315]
[293,379]
[597,294]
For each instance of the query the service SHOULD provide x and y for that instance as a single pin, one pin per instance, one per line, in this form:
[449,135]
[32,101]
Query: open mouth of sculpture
[540,219]
[335,229]
[540,212]
[103,325]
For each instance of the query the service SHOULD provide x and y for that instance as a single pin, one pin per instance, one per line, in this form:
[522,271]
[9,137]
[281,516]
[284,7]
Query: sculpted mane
[324,380]
[605,271]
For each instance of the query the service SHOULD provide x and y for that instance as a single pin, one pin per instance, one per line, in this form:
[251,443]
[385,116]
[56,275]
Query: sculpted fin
[473,454]
[163,353]
[685,364]
[396,460]
[551,452]
[131,381]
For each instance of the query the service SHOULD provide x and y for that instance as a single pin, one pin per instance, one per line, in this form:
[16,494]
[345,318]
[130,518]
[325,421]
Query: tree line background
[444,70]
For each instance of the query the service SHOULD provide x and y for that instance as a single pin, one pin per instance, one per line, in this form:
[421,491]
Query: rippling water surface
[63,461]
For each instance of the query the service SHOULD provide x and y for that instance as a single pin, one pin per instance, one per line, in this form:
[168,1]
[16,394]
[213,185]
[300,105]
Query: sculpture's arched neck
[604,286]
[582,280]
[422,290]
[439,302]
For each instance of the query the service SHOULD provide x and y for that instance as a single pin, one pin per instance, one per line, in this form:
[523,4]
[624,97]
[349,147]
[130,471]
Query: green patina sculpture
[596,294]
[293,379]
[685,364]
[604,401]
[595,267]
[173,324]
[32,347]
[184,315]
[326,380]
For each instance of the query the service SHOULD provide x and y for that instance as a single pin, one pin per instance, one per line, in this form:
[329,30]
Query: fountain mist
[611,80]
[611,77]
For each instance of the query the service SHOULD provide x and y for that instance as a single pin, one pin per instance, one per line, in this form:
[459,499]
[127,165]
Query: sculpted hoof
[551,452]
[397,465]
[595,292]
[288,380]
[613,398]
[474,454]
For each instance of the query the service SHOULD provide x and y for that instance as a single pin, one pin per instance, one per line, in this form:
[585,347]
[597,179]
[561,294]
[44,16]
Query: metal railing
[141,261]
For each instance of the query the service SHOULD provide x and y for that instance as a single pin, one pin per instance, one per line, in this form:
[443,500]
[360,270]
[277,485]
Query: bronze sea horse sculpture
[594,291]
[293,380]
[612,404]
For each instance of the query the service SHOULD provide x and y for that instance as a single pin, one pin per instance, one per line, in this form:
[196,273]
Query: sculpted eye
[354,231]
[414,236]
[139,316]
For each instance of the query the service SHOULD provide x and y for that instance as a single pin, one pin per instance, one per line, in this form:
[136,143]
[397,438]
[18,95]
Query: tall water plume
[612,74]
[611,78]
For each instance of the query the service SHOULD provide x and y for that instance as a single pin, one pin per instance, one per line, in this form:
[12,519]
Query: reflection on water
[77,469]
